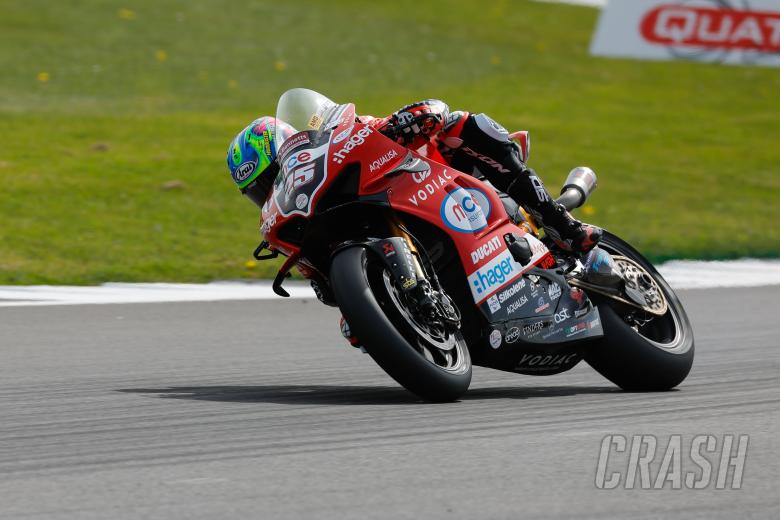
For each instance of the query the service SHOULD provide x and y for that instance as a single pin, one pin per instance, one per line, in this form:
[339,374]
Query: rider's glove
[425,118]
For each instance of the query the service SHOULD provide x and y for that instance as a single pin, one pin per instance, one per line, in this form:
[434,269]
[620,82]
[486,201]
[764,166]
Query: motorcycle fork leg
[396,230]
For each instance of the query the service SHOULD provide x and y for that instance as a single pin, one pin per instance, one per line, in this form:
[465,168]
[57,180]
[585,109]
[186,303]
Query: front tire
[655,356]
[398,345]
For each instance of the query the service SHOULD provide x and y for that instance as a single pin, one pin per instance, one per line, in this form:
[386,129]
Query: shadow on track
[350,395]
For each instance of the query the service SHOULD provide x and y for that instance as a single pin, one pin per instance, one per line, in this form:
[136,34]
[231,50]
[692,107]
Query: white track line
[697,274]
[12,296]
[681,274]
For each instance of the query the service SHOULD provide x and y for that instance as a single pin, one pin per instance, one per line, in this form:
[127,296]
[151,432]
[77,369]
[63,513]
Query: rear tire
[375,319]
[654,357]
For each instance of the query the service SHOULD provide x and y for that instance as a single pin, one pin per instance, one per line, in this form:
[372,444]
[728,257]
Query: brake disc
[640,291]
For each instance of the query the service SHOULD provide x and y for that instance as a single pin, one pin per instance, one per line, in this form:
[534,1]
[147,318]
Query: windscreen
[304,110]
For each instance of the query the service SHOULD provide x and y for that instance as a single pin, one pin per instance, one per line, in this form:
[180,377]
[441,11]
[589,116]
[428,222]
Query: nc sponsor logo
[378,163]
[465,210]
[356,140]
[485,250]
[554,291]
[493,304]
[495,273]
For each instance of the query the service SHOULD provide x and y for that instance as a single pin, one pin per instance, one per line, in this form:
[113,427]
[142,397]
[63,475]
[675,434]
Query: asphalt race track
[261,410]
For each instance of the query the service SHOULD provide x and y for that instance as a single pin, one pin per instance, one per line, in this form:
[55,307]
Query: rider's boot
[568,233]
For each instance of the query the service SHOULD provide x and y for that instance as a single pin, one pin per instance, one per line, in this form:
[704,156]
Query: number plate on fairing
[303,172]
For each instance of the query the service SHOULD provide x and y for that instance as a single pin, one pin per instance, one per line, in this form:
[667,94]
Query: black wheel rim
[442,349]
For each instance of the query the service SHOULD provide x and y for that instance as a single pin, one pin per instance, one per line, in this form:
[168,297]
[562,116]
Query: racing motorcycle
[433,270]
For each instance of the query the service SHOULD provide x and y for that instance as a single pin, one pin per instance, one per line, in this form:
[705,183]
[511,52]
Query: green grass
[142,93]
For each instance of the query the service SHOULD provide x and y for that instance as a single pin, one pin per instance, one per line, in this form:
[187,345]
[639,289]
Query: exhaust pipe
[580,183]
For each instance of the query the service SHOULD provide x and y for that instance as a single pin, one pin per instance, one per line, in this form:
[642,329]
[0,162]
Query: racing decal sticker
[357,139]
[489,284]
[382,160]
[493,304]
[562,316]
[485,159]
[342,135]
[513,302]
[547,362]
[486,250]
[431,186]
[495,338]
[542,305]
[512,335]
[562,327]
[243,172]
[532,329]
[268,224]
[302,174]
[541,192]
[294,142]
[491,276]
[465,210]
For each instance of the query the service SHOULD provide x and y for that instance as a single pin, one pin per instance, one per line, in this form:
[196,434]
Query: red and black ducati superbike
[434,271]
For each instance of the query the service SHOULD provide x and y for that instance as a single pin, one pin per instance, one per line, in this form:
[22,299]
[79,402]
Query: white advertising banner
[745,32]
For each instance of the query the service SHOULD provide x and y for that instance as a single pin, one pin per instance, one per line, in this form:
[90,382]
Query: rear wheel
[423,357]
[639,351]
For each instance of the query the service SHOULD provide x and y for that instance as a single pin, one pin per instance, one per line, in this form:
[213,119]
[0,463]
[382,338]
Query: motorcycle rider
[470,143]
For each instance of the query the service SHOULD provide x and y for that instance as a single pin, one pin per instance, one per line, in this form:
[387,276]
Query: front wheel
[427,361]
[641,352]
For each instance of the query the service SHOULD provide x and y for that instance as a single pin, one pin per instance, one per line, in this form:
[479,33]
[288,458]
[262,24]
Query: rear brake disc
[638,281]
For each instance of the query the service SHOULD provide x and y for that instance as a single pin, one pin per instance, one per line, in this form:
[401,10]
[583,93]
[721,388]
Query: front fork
[397,230]
[404,260]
